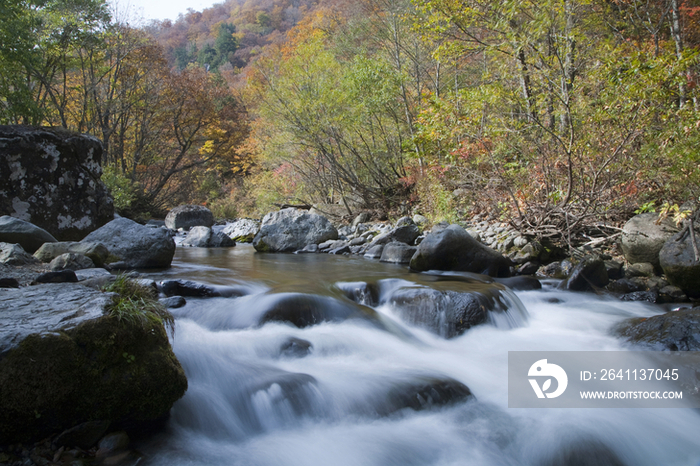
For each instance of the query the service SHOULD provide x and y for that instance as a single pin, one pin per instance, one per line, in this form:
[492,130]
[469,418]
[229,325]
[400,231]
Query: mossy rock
[98,368]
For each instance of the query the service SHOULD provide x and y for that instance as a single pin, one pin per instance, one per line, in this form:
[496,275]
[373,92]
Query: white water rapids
[249,405]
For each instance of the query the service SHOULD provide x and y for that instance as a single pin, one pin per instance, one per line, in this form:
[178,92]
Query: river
[249,403]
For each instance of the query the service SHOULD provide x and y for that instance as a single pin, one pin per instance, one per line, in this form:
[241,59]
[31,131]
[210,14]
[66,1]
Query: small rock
[71,261]
[309,249]
[112,443]
[640,269]
[420,220]
[345,249]
[363,217]
[528,268]
[173,302]
[13,254]
[587,274]
[520,242]
[614,269]
[648,296]
[397,253]
[672,294]
[375,252]
[9,283]
[296,348]
[359,241]
[624,285]
[63,276]
[83,436]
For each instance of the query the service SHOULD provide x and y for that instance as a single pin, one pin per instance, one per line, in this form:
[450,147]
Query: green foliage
[224,208]
[122,189]
[136,304]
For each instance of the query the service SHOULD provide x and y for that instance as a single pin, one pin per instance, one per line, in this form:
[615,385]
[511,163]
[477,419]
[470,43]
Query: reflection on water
[369,389]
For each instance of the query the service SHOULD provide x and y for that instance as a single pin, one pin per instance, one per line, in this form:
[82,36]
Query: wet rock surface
[51,178]
[194,289]
[422,394]
[135,245]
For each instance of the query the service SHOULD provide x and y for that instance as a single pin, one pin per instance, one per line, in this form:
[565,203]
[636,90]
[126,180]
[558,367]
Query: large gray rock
[98,252]
[64,361]
[28,235]
[397,253]
[204,237]
[13,254]
[188,216]
[289,230]
[673,331]
[677,259]
[51,178]
[452,248]
[242,230]
[642,238]
[136,246]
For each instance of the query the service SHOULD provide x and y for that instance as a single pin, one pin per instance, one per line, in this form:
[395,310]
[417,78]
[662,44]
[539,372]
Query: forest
[562,117]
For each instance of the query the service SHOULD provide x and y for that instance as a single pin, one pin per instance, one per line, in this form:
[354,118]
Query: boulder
[13,254]
[188,216]
[71,261]
[587,275]
[289,230]
[65,360]
[304,310]
[397,253]
[405,231]
[205,237]
[420,394]
[98,252]
[242,230]
[27,235]
[134,245]
[677,259]
[642,238]
[453,249]
[673,331]
[446,313]
[51,178]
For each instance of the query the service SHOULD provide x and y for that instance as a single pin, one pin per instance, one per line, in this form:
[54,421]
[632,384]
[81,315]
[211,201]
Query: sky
[160,9]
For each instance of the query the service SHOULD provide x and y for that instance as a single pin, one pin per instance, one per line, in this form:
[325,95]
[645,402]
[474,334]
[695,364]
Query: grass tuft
[135,304]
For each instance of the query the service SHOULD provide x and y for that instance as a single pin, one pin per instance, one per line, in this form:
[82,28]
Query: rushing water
[251,403]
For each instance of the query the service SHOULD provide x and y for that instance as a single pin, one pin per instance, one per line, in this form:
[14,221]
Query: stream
[260,395]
